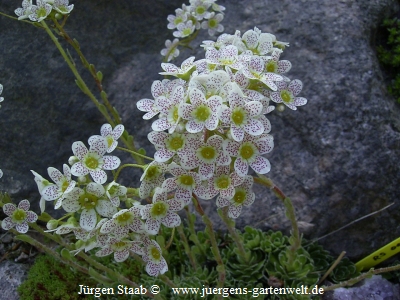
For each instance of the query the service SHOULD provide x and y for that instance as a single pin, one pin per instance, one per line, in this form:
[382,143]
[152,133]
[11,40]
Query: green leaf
[65,254]
[99,278]
[99,76]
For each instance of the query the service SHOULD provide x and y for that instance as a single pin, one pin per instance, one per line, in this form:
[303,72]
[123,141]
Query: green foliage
[48,279]
[389,53]
[270,263]
[344,271]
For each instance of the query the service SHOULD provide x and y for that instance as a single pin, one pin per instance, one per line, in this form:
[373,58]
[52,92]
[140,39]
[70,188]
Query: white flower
[152,177]
[213,23]
[41,184]
[174,21]
[62,6]
[40,11]
[167,51]
[93,161]
[169,108]
[286,94]
[63,186]
[259,43]
[24,11]
[223,182]
[123,221]
[183,72]
[18,217]
[111,136]
[120,248]
[184,29]
[161,211]
[156,263]
[200,9]
[206,156]
[249,151]
[274,65]
[114,192]
[89,202]
[183,182]
[243,196]
[241,116]
[255,69]
[168,145]
[201,112]
[158,89]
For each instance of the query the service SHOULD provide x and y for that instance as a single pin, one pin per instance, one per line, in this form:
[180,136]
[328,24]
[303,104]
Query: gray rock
[11,276]
[337,157]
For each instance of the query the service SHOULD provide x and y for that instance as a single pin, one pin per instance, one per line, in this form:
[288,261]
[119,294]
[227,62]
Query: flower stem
[214,246]
[290,212]
[368,274]
[185,243]
[135,153]
[230,224]
[125,166]
[80,82]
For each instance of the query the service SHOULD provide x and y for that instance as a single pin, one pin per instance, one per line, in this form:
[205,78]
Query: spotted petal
[79,150]
[105,208]
[78,169]
[24,204]
[7,223]
[51,192]
[111,162]
[88,219]
[152,226]
[31,217]
[9,208]
[234,211]
[261,165]
[171,220]
[241,167]
[98,176]
[22,228]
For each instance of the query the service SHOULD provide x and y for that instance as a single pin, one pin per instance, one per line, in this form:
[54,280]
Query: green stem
[193,234]
[185,243]
[81,83]
[47,250]
[230,224]
[125,166]
[135,153]
[290,212]
[214,245]
[88,66]
[353,281]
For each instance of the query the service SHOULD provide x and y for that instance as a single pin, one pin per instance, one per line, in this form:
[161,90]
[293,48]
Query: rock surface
[337,157]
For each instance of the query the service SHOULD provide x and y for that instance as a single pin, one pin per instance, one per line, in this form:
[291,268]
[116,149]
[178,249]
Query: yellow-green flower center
[88,201]
[109,140]
[159,209]
[186,180]
[271,66]
[19,215]
[207,154]
[247,151]
[64,185]
[187,31]
[41,12]
[91,162]
[212,23]
[124,218]
[222,182]
[175,142]
[152,173]
[155,253]
[200,10]
[238,116]
[178,20]
[201,113]
[118,246]
[286,96]
[240,196]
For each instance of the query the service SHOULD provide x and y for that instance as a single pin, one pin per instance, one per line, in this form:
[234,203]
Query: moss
[49,279]
[388,50]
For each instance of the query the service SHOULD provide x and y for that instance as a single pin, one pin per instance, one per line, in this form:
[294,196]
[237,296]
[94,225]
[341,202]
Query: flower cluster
[199,14]
[212,121]
[42,9]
